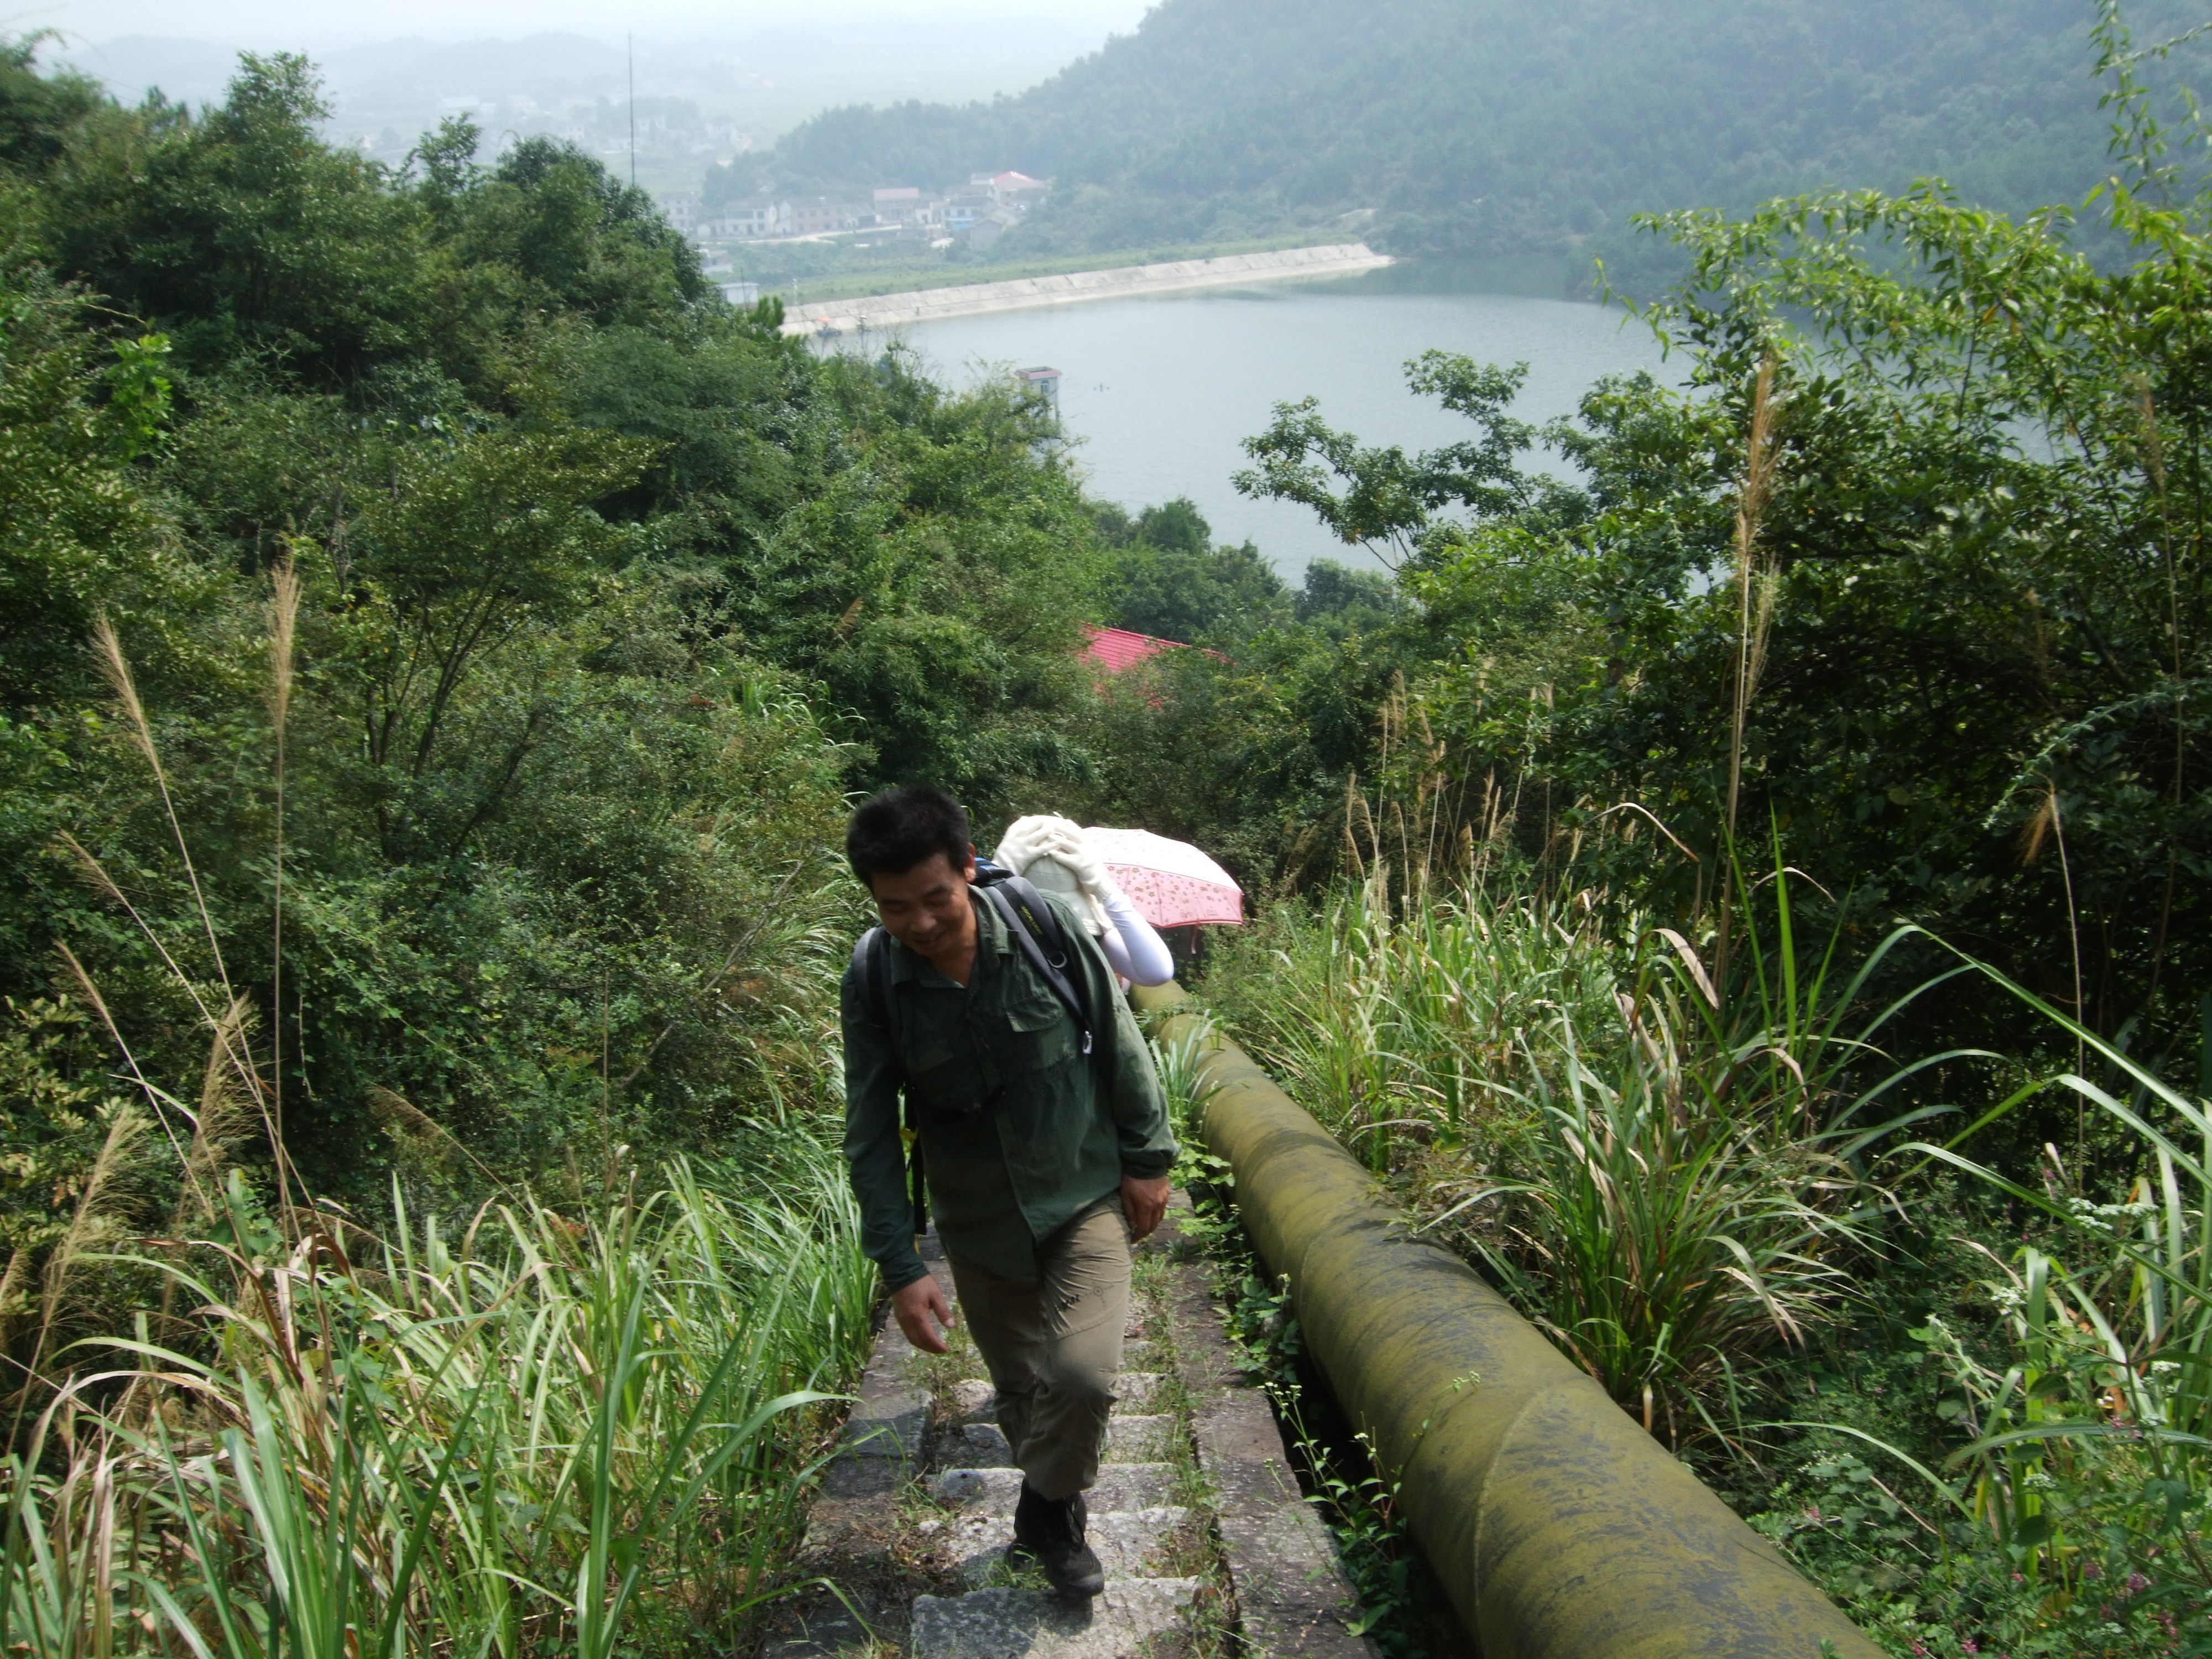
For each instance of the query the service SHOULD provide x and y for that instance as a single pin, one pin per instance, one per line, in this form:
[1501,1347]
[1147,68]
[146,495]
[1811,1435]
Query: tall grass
[2091,1461]
[516,1441]
[1671,1185]
[1394,1027]
[1681,1182]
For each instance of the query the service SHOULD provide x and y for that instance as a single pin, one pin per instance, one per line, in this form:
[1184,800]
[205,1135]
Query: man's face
[926,909]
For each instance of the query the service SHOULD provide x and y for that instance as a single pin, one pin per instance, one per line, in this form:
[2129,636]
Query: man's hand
[920,1309]
[1143,1202]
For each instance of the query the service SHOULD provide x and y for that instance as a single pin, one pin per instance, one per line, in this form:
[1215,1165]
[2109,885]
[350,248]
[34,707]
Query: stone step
[1031,1624]
[1137,1440]
[1129,1440]
[1120,1486]
[974,1446]
[1139,1394]
[1125,1541]
[974,1400]
[1136,1395]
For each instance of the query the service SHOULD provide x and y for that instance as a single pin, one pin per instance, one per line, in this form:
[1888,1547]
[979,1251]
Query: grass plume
[1757,585]
[224,1117]
[284,633]
[115,668]
[98,1205]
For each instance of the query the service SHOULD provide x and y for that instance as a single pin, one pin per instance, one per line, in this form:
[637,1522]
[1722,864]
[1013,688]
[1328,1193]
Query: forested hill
[1485,127]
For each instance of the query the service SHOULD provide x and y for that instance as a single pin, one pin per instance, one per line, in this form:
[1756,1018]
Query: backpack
[1038,933]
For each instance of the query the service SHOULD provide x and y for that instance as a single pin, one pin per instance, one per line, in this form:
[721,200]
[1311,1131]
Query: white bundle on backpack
[1032,849]
[1054,856]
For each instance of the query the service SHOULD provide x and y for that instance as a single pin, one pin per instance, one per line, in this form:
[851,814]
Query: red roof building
[1117,650]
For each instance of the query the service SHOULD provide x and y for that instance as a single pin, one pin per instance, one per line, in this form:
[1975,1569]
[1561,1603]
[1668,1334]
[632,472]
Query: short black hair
[903,827]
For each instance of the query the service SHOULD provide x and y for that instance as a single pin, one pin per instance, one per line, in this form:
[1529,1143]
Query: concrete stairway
[1196,1517]
[1134,1522]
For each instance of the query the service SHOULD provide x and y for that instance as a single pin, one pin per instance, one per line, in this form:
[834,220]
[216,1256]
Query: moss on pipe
[1559,1529]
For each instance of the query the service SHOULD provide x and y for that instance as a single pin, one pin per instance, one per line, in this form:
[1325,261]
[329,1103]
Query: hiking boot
[1052,1534]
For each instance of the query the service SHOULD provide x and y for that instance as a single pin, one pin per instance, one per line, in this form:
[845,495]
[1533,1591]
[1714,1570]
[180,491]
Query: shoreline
[879,311]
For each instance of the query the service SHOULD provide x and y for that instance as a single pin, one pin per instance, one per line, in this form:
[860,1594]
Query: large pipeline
[1559,1529]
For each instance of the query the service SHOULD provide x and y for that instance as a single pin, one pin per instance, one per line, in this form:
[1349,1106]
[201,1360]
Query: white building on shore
[982,211]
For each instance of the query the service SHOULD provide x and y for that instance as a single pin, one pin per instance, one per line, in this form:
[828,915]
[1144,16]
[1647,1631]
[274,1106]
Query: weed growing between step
[1191,1551]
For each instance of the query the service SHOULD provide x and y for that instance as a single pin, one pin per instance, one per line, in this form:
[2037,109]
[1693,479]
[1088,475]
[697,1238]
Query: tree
[240,232]
[607,596]
[1169,580]
[1381,499]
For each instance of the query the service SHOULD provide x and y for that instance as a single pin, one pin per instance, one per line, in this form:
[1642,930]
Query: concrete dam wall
[886,311]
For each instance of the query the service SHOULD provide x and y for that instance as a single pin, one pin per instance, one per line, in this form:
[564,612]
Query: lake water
[1158,393]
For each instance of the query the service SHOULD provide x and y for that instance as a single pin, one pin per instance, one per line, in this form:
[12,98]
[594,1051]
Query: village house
[904,205]
[1015,189]
[743,223]
[992,225]
[990,205]
[818,215]
[964,209]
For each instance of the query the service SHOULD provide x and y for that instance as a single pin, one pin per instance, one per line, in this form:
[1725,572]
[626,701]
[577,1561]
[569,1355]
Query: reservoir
[1158,393]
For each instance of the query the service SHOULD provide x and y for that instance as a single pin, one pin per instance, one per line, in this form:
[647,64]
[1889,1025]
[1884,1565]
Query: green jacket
[1020,1130]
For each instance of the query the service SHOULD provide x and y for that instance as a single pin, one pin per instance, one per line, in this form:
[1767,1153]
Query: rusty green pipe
[1559,1529]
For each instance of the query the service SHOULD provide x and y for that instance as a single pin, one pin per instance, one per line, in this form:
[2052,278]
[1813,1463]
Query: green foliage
[2086,1467]
[1472,128]
[73,529]
[1247,752]
[1170,581]
[1381,499]
[510,826]
[40,115]
[238,231]
[246,238]
[934,587]
[56,1104]
[1344,600]
[138,395]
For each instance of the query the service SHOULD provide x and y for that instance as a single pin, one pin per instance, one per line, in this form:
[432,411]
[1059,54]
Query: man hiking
[1043,1139]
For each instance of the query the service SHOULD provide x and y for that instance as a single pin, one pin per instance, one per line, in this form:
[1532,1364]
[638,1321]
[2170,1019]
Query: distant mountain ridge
[1488,128]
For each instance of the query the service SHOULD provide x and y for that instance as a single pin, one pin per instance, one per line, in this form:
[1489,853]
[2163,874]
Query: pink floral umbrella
[1171,882]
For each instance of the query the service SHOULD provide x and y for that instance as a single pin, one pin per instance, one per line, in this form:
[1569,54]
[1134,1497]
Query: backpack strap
[872,959]
[1036,930]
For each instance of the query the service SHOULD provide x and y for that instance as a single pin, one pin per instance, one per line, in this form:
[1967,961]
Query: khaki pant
[1054,1347]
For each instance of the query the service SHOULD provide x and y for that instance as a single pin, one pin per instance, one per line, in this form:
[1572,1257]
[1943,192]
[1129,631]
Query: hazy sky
[274,22]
